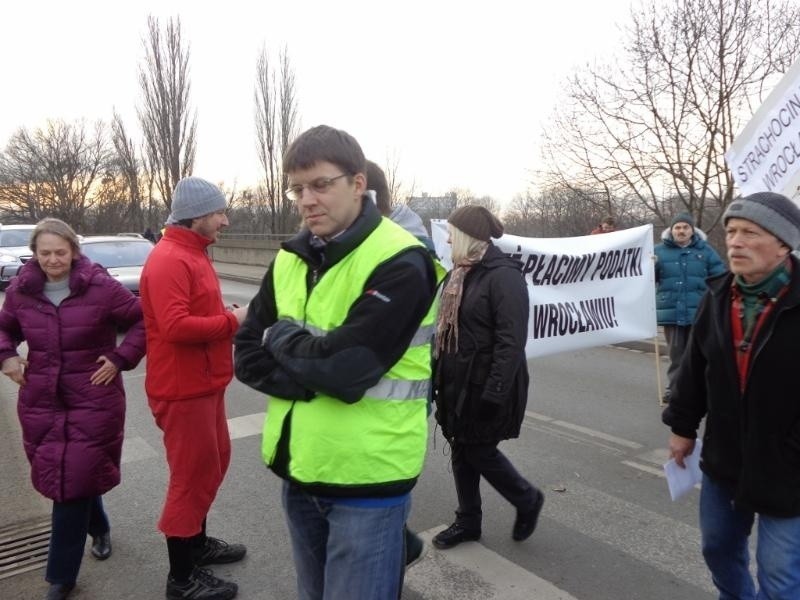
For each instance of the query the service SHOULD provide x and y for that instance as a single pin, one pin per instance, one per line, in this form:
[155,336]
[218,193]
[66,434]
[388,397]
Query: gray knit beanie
[194,197]
[774,212]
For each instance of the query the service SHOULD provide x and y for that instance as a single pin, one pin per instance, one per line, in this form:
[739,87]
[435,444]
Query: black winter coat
[481,389]
[752,439]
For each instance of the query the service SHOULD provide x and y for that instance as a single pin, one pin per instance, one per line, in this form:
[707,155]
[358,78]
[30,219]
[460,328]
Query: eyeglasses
[320,185]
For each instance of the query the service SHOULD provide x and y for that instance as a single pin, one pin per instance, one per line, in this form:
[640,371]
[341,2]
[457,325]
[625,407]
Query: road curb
[643,346]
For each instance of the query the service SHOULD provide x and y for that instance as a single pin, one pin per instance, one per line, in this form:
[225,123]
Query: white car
[14,250]
[121,255]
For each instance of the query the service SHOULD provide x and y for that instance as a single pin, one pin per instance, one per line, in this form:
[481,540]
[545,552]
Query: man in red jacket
[189,365]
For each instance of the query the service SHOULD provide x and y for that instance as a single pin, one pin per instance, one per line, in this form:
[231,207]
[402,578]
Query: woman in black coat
[480,376]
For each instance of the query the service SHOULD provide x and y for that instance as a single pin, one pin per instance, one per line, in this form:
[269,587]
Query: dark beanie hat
[477,222]
[774,212]
[683,217]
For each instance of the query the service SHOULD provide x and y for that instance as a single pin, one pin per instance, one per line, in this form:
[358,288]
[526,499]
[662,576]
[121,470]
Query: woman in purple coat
[71,399]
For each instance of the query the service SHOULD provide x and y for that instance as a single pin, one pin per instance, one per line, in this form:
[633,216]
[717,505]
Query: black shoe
[59,591]
[101,546]
[414,547]
[202,585]
[454,535]
[525,522]
[217,552]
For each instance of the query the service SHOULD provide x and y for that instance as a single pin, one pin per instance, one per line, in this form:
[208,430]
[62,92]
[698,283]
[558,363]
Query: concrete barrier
[244,252]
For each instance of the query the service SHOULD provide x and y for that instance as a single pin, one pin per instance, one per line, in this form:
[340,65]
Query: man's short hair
[608,220]
[376,181]
[325,144]
[185,223]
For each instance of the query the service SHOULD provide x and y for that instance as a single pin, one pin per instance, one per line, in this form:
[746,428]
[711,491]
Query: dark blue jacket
[681,277]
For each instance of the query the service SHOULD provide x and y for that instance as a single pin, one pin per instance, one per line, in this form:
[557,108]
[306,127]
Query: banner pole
[660,390]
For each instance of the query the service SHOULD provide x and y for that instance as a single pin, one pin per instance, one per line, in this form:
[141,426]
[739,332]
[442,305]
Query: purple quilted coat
[72,430]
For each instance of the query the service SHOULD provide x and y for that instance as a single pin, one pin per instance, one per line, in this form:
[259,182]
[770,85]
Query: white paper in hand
[681,480]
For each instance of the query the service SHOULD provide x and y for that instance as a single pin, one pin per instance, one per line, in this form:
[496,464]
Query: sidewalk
[253,274]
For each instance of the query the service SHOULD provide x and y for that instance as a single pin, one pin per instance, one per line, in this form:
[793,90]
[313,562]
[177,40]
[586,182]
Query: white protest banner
[584,291]
[765,156]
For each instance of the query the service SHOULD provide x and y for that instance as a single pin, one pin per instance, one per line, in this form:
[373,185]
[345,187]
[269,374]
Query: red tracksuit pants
[198,453]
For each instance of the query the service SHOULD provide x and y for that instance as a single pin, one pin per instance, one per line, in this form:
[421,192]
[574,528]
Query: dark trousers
[677,337]
[71,522]
[470,462]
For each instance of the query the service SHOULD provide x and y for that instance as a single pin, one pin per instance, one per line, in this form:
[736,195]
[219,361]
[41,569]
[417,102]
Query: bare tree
[656,122]
[553,212]
[522,218]
[168,123]
[439,207]
[53,170]
[398,191]
[276,127]
[564,211]
[433,207]
[465,197]
[128,169]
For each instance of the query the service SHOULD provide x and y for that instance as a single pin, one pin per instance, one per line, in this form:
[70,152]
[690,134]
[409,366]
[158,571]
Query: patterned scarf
[447,321]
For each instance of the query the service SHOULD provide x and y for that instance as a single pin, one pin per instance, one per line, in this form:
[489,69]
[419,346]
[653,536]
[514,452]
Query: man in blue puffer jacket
[683,262]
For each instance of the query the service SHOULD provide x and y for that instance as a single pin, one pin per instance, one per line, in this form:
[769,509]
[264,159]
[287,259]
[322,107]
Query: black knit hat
[476,221]
[774,212]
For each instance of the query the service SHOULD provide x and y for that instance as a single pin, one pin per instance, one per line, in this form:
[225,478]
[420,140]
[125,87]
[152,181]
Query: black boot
[101,546]
[217,552]
[454,535]
[59,591]
[201,585]
[526,521]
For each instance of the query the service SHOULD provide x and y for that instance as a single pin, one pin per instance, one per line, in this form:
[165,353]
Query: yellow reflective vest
[375,446]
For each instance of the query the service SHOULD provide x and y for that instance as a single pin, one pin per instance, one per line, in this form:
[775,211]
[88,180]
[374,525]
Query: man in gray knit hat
[189,365]
[739,372]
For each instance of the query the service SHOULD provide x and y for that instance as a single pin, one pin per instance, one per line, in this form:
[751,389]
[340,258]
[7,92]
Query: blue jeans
[71,522]
[725,531]
[343,551]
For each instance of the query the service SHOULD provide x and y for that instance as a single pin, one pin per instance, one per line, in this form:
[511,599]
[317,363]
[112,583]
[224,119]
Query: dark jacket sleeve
[254,365]
[376,332]
[687,405]
[714,263]
[510,303]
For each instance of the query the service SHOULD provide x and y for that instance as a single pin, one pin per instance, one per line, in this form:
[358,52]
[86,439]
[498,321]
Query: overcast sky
[458,91]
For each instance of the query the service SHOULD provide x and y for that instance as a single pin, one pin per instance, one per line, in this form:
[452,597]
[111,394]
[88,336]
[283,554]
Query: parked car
[14,250]
[123,256]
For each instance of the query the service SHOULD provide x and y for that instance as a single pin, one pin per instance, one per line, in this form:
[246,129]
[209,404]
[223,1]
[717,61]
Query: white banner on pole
[765,156]
[584,291]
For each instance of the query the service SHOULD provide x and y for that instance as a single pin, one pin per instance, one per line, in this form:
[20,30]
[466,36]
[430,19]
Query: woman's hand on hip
[105,374]
[14,369]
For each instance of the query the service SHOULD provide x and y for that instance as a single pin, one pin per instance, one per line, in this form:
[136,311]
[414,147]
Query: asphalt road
[592,440]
